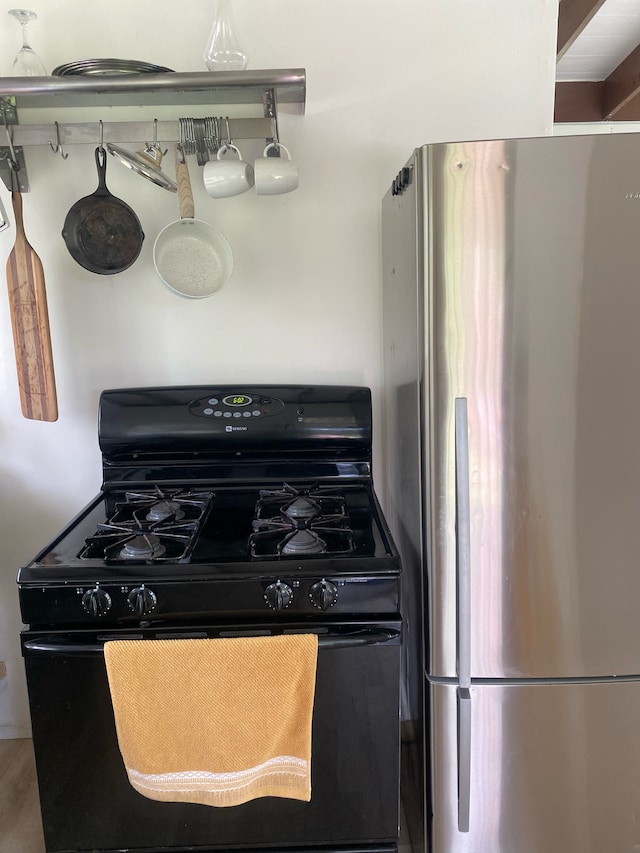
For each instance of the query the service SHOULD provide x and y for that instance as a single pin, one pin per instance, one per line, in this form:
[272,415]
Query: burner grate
[152,526]
[166,505]
[300,523]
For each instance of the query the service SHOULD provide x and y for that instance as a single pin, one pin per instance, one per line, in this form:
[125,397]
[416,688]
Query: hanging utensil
[145,162]
[101,232]
[191,257]
[30,322]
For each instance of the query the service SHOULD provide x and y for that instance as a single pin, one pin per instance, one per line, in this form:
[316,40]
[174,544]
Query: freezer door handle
[464,758]
[463,543]
[463,589]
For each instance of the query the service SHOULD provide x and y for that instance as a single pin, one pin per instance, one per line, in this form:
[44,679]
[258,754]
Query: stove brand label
[230,428]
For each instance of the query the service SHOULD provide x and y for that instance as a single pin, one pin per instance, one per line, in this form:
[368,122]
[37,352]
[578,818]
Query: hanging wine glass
[224,50]
[27,62]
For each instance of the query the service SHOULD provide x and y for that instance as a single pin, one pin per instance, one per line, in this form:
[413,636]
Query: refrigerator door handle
[464,758]
[463,587]
[463,543]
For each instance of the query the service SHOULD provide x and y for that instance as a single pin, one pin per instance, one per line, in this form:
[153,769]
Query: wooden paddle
[30,322]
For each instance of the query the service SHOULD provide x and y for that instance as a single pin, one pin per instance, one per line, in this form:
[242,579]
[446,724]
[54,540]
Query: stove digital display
[237,400]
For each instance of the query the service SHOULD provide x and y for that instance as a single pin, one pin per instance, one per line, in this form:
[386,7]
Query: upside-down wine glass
[27,62]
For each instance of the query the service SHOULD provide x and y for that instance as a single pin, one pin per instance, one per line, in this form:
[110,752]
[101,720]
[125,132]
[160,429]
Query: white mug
[224,178]
[275,175]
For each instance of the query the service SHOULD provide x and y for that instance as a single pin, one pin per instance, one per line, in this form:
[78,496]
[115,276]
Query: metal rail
[215,87]
[269,90]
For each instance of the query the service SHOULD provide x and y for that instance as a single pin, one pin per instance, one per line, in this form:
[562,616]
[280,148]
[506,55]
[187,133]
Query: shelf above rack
[168,88]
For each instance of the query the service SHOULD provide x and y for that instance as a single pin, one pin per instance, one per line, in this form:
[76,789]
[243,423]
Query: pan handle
[101,164]
[185,195]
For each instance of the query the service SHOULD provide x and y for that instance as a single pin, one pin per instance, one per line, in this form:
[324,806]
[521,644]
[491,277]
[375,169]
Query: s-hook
[155,138]
[12,166]
[212,134]
[187,135]
[271,111]
[57,147]
[13,160]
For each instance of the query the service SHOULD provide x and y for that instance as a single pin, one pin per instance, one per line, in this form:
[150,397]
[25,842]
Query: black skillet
[102,233]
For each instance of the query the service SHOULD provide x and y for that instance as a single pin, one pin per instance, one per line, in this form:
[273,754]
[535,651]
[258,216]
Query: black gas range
[224,511]
[268,493]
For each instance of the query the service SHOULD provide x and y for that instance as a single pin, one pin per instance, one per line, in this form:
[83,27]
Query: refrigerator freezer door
[532,316]
[554,768]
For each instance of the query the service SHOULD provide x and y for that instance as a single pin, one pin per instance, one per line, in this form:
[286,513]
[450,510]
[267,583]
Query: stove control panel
[239,406]
[117,603]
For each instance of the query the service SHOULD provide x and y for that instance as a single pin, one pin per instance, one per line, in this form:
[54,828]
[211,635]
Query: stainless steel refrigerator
[512,443]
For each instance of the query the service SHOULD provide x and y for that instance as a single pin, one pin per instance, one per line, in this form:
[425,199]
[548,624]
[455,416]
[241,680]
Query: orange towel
[216,722]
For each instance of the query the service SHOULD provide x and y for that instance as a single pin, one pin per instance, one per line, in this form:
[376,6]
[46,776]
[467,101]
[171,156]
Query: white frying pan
[191,257]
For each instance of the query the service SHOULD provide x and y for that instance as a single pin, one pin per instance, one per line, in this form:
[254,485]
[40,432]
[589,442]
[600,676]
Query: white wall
[304,301]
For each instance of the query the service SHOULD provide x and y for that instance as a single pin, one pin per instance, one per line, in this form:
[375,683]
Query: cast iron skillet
[101,231]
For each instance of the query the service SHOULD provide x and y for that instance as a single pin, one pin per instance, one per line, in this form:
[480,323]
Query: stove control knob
[323,594]
[278,595]
[96,601]
[142,600]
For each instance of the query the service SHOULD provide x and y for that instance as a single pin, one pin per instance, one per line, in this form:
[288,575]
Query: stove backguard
[258,432]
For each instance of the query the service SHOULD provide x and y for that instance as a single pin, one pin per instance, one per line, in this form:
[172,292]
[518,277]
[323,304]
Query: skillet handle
[185,195]
[101,164]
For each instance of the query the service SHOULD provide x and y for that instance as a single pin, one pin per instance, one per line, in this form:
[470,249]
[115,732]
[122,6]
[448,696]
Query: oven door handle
[363,637]
[63,648]
[359,637]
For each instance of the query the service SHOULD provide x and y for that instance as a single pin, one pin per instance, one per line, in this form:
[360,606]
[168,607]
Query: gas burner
[145,546]
[301,508]
[162,510]
[302,542]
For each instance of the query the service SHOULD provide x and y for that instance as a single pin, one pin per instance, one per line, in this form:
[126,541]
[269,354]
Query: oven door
[88,804]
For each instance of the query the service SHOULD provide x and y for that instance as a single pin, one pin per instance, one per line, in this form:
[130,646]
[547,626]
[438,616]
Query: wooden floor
[20,825]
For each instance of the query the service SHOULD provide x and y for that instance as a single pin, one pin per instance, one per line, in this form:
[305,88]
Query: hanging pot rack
[270,89]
